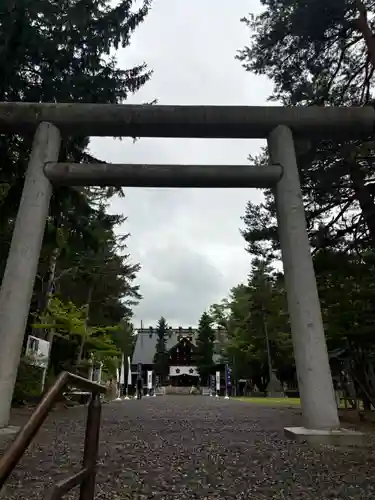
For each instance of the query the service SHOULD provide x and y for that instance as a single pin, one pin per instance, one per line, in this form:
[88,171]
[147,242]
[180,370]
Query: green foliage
[69,322]
[93,269]
[63,52]
[28,383]
[124,338]
[312,51]
[346,291]
[346,288]
[315,55]
[245,314]
[205,347]
[161,358]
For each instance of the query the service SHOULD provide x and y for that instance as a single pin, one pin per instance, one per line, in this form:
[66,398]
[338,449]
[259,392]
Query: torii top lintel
[232,122]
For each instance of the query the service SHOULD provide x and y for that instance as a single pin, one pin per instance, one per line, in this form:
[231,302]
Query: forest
[315,53]
[86,284]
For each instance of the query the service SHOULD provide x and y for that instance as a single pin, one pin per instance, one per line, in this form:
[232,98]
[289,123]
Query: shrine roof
[145,346]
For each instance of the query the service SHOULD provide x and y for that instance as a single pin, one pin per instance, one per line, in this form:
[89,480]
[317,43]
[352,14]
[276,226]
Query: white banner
[149,380]
[122,372]
[175,371]
[97,373]
[218,381]
[129,372]
[37,350]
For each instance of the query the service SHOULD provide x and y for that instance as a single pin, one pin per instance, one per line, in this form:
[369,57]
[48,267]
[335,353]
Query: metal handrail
[86,477]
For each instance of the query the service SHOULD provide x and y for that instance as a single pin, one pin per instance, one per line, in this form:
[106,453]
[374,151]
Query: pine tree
[161,354]
[205,347]
[60,51]
[318,53]
[63,51]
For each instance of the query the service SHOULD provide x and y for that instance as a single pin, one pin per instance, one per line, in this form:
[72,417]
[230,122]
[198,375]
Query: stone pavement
[186,447]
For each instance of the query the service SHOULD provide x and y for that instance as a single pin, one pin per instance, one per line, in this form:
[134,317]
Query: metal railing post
[90,454]
[86,476]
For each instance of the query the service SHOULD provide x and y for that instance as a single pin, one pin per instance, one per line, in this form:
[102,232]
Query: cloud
[188,240]
[179,281]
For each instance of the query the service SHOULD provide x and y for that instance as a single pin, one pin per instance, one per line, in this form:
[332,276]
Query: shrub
[292,394]
[28,383]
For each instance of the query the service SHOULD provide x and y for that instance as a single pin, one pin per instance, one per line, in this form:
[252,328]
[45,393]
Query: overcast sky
[188,241]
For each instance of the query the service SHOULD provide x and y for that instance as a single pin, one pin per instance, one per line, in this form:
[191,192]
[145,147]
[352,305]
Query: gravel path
[186,447]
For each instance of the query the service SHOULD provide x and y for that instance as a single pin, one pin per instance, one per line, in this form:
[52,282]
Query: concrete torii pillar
[315,382]
[19,276]
[310,350]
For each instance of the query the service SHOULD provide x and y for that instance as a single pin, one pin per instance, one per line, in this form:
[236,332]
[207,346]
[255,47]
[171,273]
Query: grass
[271,401]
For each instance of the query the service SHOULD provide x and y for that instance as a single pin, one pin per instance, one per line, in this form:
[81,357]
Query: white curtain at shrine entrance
[176,371]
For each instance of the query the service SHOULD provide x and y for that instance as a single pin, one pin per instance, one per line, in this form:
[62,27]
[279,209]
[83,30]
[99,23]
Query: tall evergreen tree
[254,312]
[322,53]
[316,53]
[161,354]
[205,347]
[62,51]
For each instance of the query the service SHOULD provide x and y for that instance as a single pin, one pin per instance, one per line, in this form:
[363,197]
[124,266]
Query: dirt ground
[185,447]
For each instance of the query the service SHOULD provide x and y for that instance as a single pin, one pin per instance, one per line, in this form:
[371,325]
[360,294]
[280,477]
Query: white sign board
[37,350]
[149,380]
[218,381]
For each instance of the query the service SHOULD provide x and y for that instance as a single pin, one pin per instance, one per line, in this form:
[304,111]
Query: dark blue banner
[228,373]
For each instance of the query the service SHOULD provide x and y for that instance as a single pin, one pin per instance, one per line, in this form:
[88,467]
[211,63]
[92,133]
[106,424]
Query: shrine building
[181,348]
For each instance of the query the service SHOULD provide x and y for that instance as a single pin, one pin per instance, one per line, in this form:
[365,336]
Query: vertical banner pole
[149,383]
[227,380]
[139,381]
[129,381]
[117,384]
[217,384]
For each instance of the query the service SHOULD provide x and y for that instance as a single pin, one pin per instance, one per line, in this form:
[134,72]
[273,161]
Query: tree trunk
[364,198]
[50,285]
[45,298]
[83,338]
[49,335]
[366,31]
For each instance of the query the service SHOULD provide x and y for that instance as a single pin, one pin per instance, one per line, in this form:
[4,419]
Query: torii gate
[277,124]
